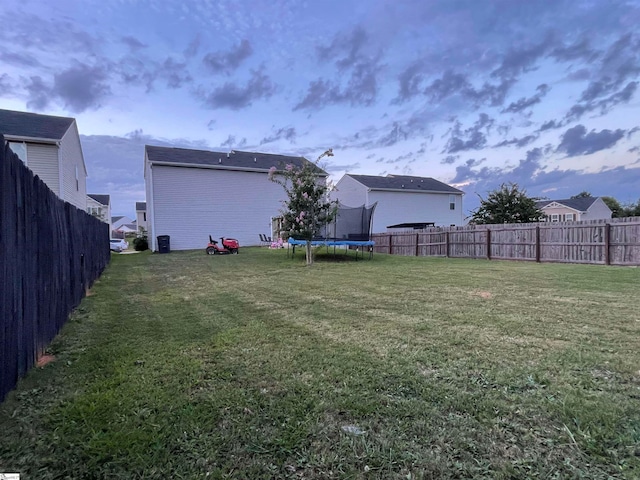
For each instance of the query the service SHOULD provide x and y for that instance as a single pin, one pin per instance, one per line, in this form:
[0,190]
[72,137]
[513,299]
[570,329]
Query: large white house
[192,194]
[574,209]
[50,147]
[402,199]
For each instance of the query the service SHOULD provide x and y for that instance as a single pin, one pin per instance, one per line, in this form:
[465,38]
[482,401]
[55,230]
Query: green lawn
[255,366]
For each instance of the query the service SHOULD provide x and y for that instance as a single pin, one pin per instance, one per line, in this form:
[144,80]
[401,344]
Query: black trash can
[164,244]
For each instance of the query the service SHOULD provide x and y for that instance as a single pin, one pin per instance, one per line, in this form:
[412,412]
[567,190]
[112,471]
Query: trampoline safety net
[350,223]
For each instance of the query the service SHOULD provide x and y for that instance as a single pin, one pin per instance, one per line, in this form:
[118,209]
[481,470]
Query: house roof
[234,160]
[414,225]
[141,206]
[33,125]
[103,199]
[580,204]
[404,182]
[115,219]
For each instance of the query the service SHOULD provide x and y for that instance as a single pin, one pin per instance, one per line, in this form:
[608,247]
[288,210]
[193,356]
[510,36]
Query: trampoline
[350,228]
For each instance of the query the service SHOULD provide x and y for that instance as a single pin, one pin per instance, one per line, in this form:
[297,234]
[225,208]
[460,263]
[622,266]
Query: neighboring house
[574,209]
[192,194]
[141,216]
[100,207]
[402,199]
[128,228]
[120,220]
[50,147]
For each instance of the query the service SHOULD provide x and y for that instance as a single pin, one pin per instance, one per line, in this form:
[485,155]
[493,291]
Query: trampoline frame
[328,242]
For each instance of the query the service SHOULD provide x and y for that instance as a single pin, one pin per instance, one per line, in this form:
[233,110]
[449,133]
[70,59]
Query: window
[569,217]
[554,217]
[77,181]
[20,149]
[452,202]
[144,216]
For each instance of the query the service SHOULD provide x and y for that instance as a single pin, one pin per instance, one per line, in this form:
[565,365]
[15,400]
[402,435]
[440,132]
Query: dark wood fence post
[488,244]
[390,243]
[538,243]
[446,243]
[607,244]
[417,238]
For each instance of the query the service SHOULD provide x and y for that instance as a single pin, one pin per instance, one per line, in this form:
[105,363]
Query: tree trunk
[309,253]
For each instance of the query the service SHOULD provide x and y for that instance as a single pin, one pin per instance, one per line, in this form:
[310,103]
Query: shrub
[140,243]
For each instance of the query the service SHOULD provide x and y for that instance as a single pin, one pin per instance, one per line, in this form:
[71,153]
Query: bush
[140,243]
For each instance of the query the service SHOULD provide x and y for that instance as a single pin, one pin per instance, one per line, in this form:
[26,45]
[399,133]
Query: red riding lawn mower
[228,245]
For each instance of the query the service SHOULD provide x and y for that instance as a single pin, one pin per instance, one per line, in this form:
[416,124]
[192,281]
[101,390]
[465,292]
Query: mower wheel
[234,251]
[211,251]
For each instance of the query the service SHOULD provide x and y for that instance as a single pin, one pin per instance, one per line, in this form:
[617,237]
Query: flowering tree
[307,208]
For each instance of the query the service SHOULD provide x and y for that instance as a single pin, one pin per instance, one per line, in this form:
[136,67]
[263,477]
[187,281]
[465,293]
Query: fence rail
[50,254]
[607,242]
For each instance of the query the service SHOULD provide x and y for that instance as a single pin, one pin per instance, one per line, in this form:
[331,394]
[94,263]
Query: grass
[255,366]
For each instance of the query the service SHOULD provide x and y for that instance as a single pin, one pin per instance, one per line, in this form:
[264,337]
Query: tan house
[574,209]
[141,216]
[50,147]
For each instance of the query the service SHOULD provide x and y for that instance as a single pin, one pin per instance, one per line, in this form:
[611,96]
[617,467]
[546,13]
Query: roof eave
[21,138]
[457,192]
[216,167]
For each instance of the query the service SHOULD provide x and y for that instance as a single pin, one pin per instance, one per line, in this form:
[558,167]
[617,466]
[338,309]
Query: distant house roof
[404,182]
[101,199]
[580,204]
[234,160]
[115,219]
[33,125]
[141,206]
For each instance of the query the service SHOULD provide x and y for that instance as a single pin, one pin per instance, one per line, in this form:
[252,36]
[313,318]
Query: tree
[583,194]
[307,208]
[616,209]
[507,204]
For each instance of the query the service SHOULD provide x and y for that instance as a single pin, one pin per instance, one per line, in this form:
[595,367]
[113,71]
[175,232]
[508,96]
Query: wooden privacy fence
[607,242]
[50,253]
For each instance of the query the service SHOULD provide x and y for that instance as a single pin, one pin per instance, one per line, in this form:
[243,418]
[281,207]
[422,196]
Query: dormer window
[20,149]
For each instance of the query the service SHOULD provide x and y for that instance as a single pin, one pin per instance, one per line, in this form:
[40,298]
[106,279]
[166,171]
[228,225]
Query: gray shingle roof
[33,125]
[233,160]
[580,204]
[404,182]
[102,199]
[141,206]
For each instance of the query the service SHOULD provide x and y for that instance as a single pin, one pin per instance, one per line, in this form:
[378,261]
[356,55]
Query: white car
[118,244]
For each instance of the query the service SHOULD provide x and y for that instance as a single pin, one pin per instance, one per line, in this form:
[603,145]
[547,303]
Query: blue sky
[473,93]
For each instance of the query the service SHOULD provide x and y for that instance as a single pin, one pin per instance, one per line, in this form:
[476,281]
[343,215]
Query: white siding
[141,220]
[42,159]
[350,192]
[404,207]
[189,204]
[597,210]
[148,182]
[72,159]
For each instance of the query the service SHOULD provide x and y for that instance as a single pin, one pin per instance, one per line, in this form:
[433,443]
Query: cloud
[174,73]
[579,50]
[193,47]
[525,103]
[451,84]
[361,69]
[132,42]
[288,133]
[38,93]
[233,142]
[229,61]
[518,142]
[6,85]
[549,125]
[20,60]
[236,97]
[449,159]
[346,48]
[521,60]
[473,138]
[576,140]
[81,87]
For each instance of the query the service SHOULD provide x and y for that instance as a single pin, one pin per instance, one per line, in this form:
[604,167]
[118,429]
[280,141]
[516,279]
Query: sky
[474,93]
